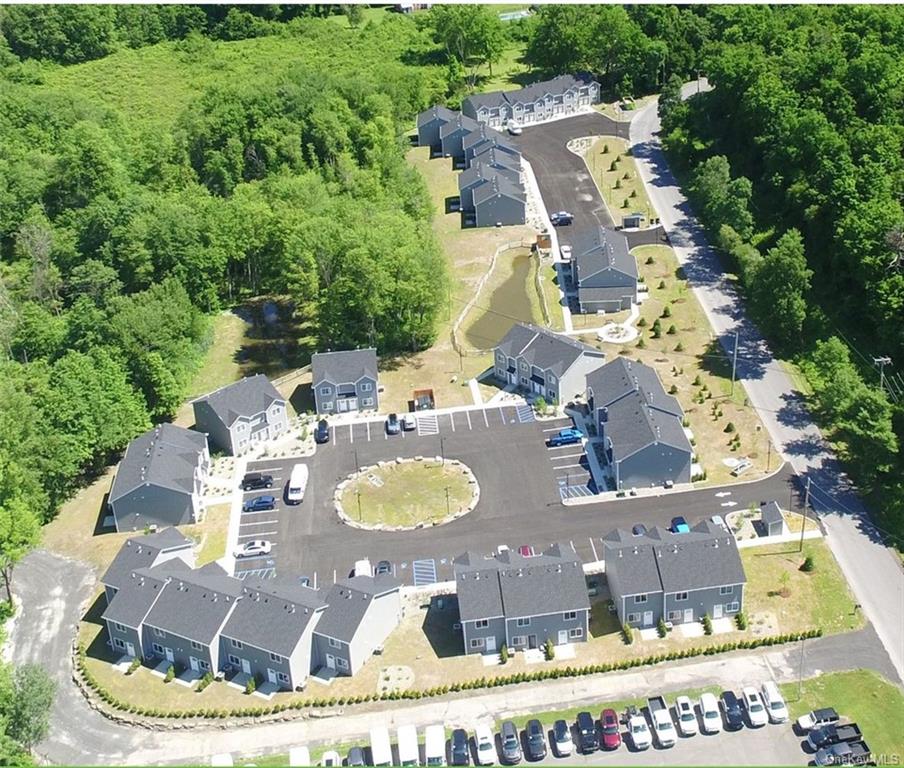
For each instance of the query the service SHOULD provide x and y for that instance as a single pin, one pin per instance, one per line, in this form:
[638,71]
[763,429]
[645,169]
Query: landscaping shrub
[707,624]
[503,654]
[613,166]
[627,633]
[673,390]
[549,650]
[540,405]
[633,193]
[136,662]
[808,565]
[205,681]
[625,204]
[170,674]
[679,347]
[697,382]
[661,285]
[730,427]
[618,183]
[657,328]
[250,686]
[642,323]
[661,628]
[672,330]
[650,260]
[605,149]
[667,311]
[641,344]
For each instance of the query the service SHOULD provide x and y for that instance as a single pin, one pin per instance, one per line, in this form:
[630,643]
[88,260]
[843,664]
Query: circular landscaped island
[407,493]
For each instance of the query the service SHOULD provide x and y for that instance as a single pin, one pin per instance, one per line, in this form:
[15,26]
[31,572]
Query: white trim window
[476,642]
[519,640]
[283,678]
[632,618]
[276,658]
[341,663]
[576,633]
[334,643]
[159,632]
[569,615]
[674,615]
[367,401]
[732,607]
[118,627]
[367,387]
[680,597]
[157,648]
[205,665]
[236,643]
[328,406]
[523,622]
[640,598]
[728,590]
[235,661]
[118,642]
[481,624]
[326,390]
[196,645]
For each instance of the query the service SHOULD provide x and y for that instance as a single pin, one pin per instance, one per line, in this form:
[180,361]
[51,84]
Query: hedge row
[468,685]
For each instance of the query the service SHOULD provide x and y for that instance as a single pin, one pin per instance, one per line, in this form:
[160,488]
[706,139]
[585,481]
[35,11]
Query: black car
[588,740]
[639,530]
[461,749]
[511,744]
[731,709]
[356,757]
[255,480]
[561,218]
[383,567]
[322,432]
[536,740]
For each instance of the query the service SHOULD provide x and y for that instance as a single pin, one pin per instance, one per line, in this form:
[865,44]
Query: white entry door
[648,618]
[246,666]
[717,611]
[130,649]
[330,661]
[688,615]
[491,643]
[271,676]
[563,637]
[195,667]
[168,652]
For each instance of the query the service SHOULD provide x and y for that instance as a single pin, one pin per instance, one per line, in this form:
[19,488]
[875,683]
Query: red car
[609,724]
[525,550]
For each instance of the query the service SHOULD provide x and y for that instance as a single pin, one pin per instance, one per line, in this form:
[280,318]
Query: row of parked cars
[834,742]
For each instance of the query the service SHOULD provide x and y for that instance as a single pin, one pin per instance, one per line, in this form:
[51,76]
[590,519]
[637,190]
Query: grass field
[631,195]
[408,494]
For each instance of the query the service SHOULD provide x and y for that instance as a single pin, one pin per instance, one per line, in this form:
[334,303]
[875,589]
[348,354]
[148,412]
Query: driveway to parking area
[522,483]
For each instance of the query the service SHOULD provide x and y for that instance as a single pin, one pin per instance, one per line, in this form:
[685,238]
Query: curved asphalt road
[873,571]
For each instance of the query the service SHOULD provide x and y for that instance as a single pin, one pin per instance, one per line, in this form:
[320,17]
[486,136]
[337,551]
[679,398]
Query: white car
[775,704]
[687,718]
[717,520]
[756,710]
[565,252]
[639,732]
[514,128]
[709,713]
[409,422]
[330,758]
[486,745]
[561,737]
[252,548]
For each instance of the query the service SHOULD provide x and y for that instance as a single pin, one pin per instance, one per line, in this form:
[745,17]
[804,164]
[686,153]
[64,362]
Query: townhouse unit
[496,157]
[429,123]
[361,613]
[477,174]
[485,138]
[562,96]
[677,577]
[499,202]
[160,480]
[453,133]
[240,415]
[603,271]
[640,425]
[145,551]
[521,602]
[345,381]
[544,363]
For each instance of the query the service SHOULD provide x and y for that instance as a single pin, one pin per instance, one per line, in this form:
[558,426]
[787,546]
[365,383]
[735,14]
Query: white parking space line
[351,433]
[259,522]
[452,420]
[259,512]
[485,420]
[367,424]
[595,556]
[553,429]
[501,414]
[565,466]
[567,456]
[468,415]
[257,534]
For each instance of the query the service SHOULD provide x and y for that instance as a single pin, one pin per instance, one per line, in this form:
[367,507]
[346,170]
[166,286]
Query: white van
[380,748]
[299,756]
[435,745]
[409,752]
[363,568]
[298,481]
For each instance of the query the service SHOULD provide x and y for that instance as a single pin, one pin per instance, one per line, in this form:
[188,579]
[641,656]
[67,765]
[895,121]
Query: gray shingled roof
[556,86]
[195,604]
[771,513]
[273,615]
[141,552]
[348,601]
[436,112]
[344,367]
[496,186]
[620,376]
[516,586]
[248,397]
[480,172]
[630,564]
[166,456]
[490,100]
[633,425]
[492,137]
[460,122]
[596,249]
[138,592]
[498,157]
[542,348]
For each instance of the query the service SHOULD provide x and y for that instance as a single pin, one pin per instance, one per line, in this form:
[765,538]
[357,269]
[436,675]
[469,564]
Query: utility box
[544,241]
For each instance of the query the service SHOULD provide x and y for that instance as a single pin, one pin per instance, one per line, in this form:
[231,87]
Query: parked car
[587,739]
[514,129]
[252,548]
[409,422]
[638,730]
[663,727]
[460,752]
[566,437]
[322,432]
[741,467]
[717,520]
[709,713]
[254,481]
[639,530]
[753,704]
[299,756]
[844,753]
[526,550]
[731,708]
[817,718]
[561,218]
[611,736]
[687,718]
[363,568]
[536,740]
[679,525]
[392,424]
[330,759]
[565,252]
[775,704]
[561,734]
[356,757]
[259,504]
[832,733]
[486,745]
[383,567]
[511,743]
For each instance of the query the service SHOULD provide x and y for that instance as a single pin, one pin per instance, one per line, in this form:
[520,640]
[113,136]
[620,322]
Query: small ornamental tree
[503,654]
[250,686]
[627,633]
[661,628]
[741,620]
[809,564]
[707,624]
[549,650]
[170,674]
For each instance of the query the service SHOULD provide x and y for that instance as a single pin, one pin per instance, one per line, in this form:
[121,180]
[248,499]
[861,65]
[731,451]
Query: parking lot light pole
[448,504]
[358,494]
[442,449]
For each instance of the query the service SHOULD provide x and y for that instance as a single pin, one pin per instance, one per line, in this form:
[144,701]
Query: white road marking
[568,456]
[259,512]
[468,415]
[259,522]
[351,433]
[315,579]
[367,423]
[452,420]
[485,421]
[729,504]
[501,414]
[553,429]
[271,470]
[257,534]
[565,466]
[595,557]
[722,493]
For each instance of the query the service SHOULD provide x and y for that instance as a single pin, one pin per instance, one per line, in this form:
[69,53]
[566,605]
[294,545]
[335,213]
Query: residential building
[361,613]
[485,138]
[640,425]
[562,96]
[772,519]
[521,602]
[499,202]
[678,577]
[477,174]
[240,415]
[603,271]
[269,633]
[429,123]
[345,381]
[160,480]
[452,134]
[496,157]
[544,363]
[145,551]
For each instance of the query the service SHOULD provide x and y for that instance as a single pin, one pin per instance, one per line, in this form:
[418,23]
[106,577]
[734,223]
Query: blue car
[679,525]
[259,504]
[566,437]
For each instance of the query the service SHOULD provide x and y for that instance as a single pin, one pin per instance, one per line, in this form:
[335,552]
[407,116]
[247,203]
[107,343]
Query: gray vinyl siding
[428,134]
[382,617]
[499,209]
[217,432]
[652,466]
[127,635]
[110,593]
[574,380]
[321,648]
[244,432]
[548,627]
[702,601]
[181,648]
[328,403]
[626,607]
[495,628]
[451,145]
[152,505]
[260,662]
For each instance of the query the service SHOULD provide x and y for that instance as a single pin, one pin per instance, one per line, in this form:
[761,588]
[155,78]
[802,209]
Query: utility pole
[800,673]
[803,524]
[442,449]
[448,506]
[880,363]
[734,363]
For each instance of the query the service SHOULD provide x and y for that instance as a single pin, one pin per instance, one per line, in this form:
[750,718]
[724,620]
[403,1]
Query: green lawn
[508,73]
[874,703]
